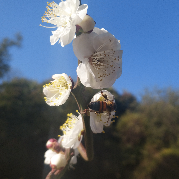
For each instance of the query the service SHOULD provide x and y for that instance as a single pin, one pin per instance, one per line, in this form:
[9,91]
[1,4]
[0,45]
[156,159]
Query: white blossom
[64,16]
[58,161]
[51,145]
[55,160]
[101,58]
[48,155]
[72,129]
[58,91]
[98,120]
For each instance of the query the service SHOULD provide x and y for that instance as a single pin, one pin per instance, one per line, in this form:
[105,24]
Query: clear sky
[148,31]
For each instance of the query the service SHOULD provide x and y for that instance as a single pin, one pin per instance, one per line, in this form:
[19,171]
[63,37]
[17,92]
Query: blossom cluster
[64,150]
[99,57]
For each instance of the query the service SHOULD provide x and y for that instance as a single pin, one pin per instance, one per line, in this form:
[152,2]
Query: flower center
[56,15]
[59,84]
[57,88]
[69,123]
[106,62]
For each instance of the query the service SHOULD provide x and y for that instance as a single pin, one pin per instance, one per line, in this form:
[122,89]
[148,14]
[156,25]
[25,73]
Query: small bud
[58,161]
[53,145]
[87,24]
[50,143]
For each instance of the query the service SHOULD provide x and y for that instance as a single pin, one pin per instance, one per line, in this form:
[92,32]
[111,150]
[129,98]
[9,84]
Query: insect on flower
[102,105]
[101,110]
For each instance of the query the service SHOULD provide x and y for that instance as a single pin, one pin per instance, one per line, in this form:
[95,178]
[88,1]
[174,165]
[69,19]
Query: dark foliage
[5,45]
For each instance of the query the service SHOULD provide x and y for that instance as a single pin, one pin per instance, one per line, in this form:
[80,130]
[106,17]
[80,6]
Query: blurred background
[143,143]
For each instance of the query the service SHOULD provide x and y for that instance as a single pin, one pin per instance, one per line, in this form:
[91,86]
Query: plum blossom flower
[101,58]
[48,155]
[98,120]
[58,161]
[72,130]
[55,145]
[57,156]
[64,16]
[58,90]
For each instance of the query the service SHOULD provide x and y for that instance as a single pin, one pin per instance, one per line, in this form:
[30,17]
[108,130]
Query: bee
[102,106]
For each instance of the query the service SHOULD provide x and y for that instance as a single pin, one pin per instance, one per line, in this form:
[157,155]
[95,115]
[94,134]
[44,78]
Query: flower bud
[58,161]
[53,145]
[50,143]
[87,24]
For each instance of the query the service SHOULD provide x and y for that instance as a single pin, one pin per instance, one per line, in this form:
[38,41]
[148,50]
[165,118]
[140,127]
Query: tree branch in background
[4,52]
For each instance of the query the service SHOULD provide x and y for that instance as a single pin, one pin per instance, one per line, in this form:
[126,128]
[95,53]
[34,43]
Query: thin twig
[82,151]
[76,84]
[76,102]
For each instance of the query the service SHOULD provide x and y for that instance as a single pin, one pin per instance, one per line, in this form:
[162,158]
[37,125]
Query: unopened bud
[58,161]
[87,24]
[50,143]
[53,145]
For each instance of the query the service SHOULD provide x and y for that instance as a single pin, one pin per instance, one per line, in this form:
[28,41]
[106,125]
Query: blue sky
[148,31]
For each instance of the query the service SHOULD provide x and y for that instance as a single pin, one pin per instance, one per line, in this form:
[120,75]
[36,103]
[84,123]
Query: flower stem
[76,84]
[76,101]
[88,137]
[82,151]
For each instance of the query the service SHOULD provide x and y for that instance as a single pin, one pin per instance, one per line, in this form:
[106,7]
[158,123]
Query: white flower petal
[54,38]
[74,158]
[81,12]
[64,16]
[82,46]
[97,120]
[48,155]
[96,127]
[58,160]
[72,129]
[100,52]
[99,31]
[57,91]
[66,39]
[98,95]
[83,75]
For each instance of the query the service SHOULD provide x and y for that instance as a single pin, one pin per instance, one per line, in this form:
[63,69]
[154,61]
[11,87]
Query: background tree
[5,45]
[142,143]
[24,128]
[145,134]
